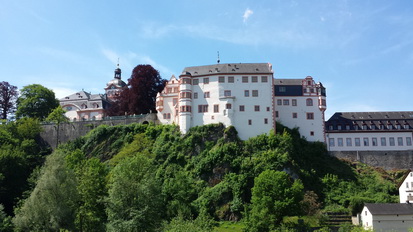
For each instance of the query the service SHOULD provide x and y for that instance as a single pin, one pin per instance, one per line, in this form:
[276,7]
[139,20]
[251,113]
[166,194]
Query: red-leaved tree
[8,97]
[140,96]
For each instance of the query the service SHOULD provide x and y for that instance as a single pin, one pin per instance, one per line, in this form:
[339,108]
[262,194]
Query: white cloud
[247,14]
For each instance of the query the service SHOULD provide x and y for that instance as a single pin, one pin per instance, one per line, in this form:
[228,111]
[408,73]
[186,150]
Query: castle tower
[115,86]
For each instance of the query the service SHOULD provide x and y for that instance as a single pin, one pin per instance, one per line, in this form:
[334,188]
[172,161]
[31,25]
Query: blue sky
[362,51]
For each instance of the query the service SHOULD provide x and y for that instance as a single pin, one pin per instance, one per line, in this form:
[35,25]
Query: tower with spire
[116,85]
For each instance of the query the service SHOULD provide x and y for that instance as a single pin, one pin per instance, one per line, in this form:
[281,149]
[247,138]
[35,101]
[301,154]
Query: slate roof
[240,68]
[288,82]
[82,95]
[370,119]
[390,208]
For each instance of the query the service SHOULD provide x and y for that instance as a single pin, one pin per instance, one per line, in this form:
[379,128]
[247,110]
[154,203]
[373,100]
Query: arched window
[309,102]
[84,106]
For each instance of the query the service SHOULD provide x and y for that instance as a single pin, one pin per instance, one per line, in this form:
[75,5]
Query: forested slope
[154,178]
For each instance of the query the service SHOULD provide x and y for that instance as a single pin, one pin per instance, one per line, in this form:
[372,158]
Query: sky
[361,51]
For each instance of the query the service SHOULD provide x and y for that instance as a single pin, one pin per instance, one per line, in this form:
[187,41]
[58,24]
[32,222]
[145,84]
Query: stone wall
[385,159]
[73,130]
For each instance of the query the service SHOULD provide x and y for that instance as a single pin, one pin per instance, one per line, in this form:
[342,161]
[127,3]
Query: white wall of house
[312,128]
[225,102]
[369,141]
[406,189]
[385,223]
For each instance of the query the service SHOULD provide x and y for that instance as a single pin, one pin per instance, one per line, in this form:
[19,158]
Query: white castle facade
[245,96]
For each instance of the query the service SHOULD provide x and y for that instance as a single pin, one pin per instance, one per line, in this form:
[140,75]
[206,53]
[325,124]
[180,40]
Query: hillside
[151,177]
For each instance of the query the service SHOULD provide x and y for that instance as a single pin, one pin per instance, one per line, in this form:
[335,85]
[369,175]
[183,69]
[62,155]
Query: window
[265,120]
[228,106]
[281,89]
[310,116]
[294,115]
[366,142]
[256,108]
[254,79]
[339,127]
[227,93]
[391,141]
[186,81]
[230,79]
[246,93]
[279,102]
[206,95]
[294,102]
[84,106]
[357,142]
[340,142]
[383,141]
[249,122]
[406,126]
[186,95]
[255,93]
[348,142]
[206,80]
[286,102]
[331,142]
[311,133]
[264,79]
[276,114]
[399,141]
[408,141]
[347,127]
[309,102]
[216,108]
[244,79]
[176,89]
[242,108]
[168,90]
[195,95]
[202,108]
[195,81]
[221,79]
[185,108]
[268,109]
[374,141]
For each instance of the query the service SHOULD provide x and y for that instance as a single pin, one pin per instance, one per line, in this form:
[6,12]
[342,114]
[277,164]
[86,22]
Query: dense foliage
[36,101]
[140,96]
[152,178]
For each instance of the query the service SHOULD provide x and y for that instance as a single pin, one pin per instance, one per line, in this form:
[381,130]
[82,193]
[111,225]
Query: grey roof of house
[239,68]
[370,118]
[288,81]
[390,208]
[82,95]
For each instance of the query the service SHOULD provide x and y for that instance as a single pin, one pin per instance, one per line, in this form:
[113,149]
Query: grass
[227,226]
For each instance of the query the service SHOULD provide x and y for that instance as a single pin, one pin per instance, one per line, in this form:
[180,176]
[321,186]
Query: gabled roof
[390,208]
[240,68]
[83,95]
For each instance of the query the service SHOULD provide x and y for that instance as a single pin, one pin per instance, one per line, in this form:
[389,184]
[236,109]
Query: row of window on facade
[367,141]
[308,102]
[309,115]
[227,93]
[83,106]
[370,127]
[228,106]
[283,89]
[168,116]
[223,79]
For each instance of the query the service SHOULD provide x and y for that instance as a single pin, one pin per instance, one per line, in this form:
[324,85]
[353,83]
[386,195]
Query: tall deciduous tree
[274,195]
[36,101]
[8,97]
[57,116]
[140,96]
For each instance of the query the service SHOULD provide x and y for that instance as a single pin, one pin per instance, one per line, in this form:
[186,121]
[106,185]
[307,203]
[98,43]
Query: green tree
[274,195]
[8,97]
[57,116]
[52,204]
[5,221]
[36,101]
[92,188]
[134,202]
